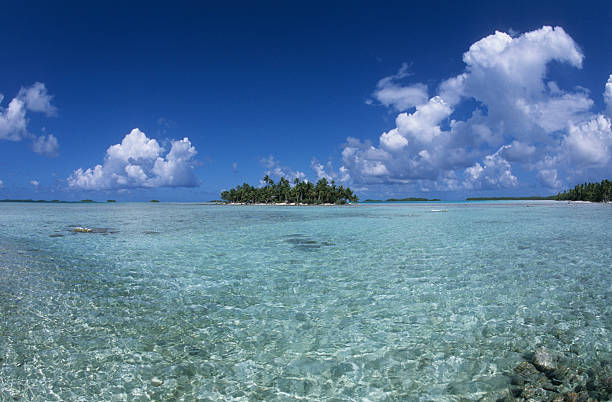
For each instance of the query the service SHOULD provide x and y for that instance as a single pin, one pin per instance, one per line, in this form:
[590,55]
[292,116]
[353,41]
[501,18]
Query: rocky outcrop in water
[545,376]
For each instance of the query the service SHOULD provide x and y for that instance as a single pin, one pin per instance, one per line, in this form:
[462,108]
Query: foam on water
[168,301]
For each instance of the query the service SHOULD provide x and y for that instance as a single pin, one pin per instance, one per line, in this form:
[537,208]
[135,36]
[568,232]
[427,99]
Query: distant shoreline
[532,198]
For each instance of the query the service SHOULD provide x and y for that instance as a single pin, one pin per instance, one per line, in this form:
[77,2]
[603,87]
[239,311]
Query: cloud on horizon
[139,162]
[14,121]
[521,119]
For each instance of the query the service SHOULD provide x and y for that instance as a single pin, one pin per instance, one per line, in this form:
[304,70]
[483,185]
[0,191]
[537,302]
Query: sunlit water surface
[376,302]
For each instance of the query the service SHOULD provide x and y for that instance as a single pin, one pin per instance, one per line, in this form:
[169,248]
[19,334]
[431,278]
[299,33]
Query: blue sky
[178,101]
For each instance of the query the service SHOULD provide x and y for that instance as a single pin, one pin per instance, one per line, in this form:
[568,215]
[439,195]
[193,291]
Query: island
[302,192]
[411,199]
[593,192]
[528,198]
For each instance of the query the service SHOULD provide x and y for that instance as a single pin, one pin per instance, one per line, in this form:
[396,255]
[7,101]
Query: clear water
[378,302]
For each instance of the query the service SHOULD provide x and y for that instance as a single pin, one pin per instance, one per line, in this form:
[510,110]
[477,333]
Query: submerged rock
[56,235]
[156,382]
[544,378]
[544,360]
[84,229]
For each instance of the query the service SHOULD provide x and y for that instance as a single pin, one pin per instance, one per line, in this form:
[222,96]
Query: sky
[178,101]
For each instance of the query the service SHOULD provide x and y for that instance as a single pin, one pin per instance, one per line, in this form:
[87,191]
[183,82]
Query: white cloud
[520,117]
[390,93]
[549,178]
[518,152]
[320,170]
[46,145]
[1,184]
[35,183]
[589,144]
[14,121]
[608,95]
[494,172]
[328,172]
[275,170]
[37,99]
[139,162]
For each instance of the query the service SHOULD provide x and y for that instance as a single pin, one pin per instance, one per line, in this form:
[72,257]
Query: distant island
[301,193]
[549,197]
[408,199]
[594,192]
[411,199]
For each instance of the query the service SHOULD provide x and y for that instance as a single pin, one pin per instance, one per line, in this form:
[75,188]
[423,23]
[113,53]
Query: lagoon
[377,301]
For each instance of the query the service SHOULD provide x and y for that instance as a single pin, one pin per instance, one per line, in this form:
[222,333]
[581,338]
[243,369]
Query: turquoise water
[170,301]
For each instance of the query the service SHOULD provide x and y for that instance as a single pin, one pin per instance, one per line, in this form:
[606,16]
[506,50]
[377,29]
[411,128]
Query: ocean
[170,301]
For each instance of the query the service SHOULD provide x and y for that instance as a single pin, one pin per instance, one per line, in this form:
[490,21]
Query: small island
[412,199]
[407,199]
[593,192]
[302,192]
[528,198]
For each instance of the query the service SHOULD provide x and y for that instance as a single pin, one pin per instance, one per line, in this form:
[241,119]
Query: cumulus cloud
[274,169]
[139,161]
[520,117]
[37,99]
[390,93]
[494,172]
[1,184]
[14,121]
[320,170]
[608,95]
[328,172]
[589,144]
[35,183]
[549,178]
[46,145]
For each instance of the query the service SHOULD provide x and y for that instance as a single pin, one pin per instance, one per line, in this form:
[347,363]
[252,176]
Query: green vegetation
[411,199]
[154,201]
[302,192]
[595,192]
[549,197]
[111,201]
[87,201]
[370,200]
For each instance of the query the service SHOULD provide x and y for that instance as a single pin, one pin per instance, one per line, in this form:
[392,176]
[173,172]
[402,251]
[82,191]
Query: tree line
[301,192]
[595,192]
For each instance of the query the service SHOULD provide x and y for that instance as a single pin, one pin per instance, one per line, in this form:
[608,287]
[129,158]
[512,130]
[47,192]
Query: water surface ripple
[378,302]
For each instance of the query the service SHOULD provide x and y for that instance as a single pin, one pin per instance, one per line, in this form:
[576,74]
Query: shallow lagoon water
[378,302]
